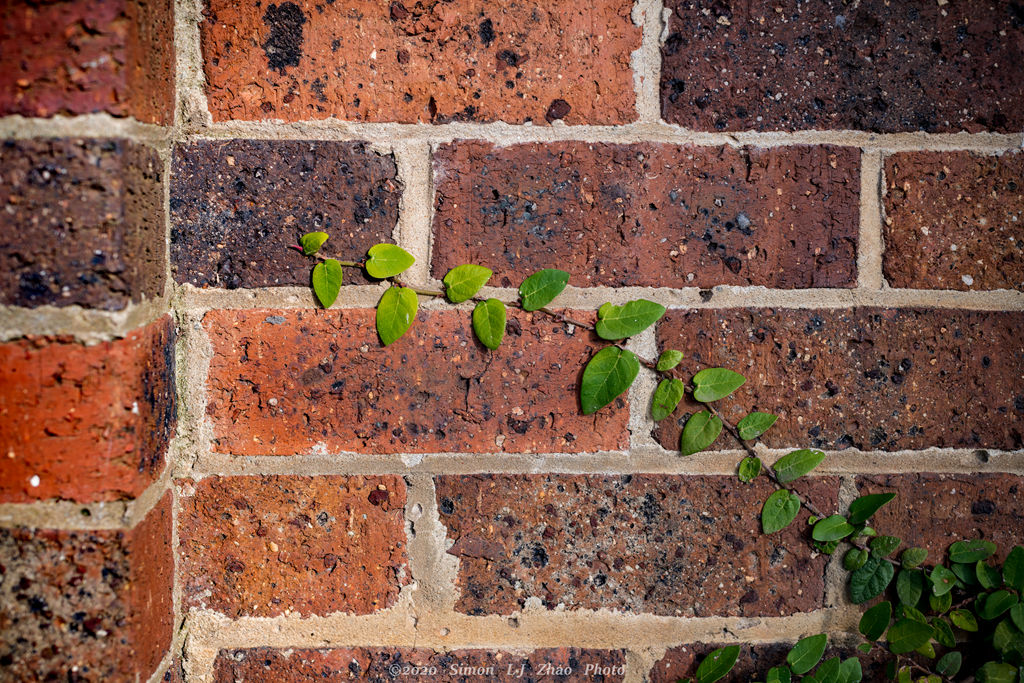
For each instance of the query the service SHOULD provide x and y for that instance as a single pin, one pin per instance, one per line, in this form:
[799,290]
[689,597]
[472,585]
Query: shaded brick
[238,206]
[408,665]
[754,661]
[872,378]
[874,65]
[954,220]
[85,56]
[285,382]
[421,62]
[656,544]
[87,605]
[270,545]
[650,214]
[82,223]
[85,423]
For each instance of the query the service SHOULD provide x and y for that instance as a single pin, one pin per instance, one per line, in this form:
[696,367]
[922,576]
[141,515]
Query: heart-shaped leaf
[666,398]
[875,620]
[831,528]
[489,322]
[327,281]
[462,282]
[619,322]
[755,424]
[906,635]
[712,384]
[797,464]
[609,373]
[779,511]
[971,551]
[700,431]
[387,260]
[540,289]
[870,580]
[749,469]
[862,508]
[395,312]
[717,664]
[806,653]
[311,242]
[668,359]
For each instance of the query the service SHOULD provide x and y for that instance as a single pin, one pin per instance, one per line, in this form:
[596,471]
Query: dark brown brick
[656,544]
[264,546]
[954,220]
[421,61]
[320,379]
[409,665]
[873,65]
[238,206]
[653,215]
[85,56]
[82,223]
[872,378]
[86,605]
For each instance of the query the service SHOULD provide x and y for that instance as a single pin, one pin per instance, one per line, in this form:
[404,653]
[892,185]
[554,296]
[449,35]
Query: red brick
[426,61]
[409,665]
[650,214]
[237,206]
[954,220]
[270,545]
[286,382]
[656,544]
[86,56]
[87,605]
[874,65]
[91,422]
[82,223]
[873,378]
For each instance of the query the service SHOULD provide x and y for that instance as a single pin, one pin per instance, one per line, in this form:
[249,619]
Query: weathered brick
[86,605]
[954,220]
[85,423]
[650,214]
[874,65]
[85,56]
[659,544]
[82,223]
[421,61]
[680,663]
[872,378]
[237,207]
[270,545]
[409,665]
[286,382]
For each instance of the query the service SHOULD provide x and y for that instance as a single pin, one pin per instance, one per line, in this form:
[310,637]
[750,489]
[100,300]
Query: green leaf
[965,572]
[942,579]
[311,242]
[831,529]
[864,647]
[779,674]
[755,424]
[910,586]
[949,664]
[940,603]
[906,635]
[828,672]
[988,577]
[712,384]
[996,672]
[609,373]
[462,282]
[927,649]
[797,464]
[779,511]
[995,604]
[971,551]
[327,281]
[1017,615]
[963,619]
[865,506]
[850,671]
[875,620]
[806,653]
[913,557]
[489,322]
[540,289]
[1007,639]
[854,559]
[870,580]
[749,469]
[944,633]
[908,612]
[717,664]
[387,260]
[1013,569]
[619,322]
[904,675]
[883,546]
[395,312]
[666,398]
[700,431]
[668,359]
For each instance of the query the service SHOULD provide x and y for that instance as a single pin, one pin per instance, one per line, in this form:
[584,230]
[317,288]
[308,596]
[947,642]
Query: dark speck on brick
[284,45]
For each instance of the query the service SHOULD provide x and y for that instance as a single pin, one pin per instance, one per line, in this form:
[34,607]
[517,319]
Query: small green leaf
[712,384]
[964,620]
[700,431]
[749,469]
[910,586]
[908,612]
[327,281]
[944,633]
[609,373]
[489,322]
[797,464]
[971,551]
[779,674]
[828,671]
[831,528]
[927,649]
[311,242]
[619,322]
[717,664]
[806,653]
[779,511]
[870,580]
[949,664]
[1013,569]
[913,557]
[540,289]
[942,580]
[395,312]
[1017,615]
[906,635]
[755,424]
[988,577]
[462,282]
[875,620]
[883,546]
[666,398]
[854,559]
[996,672]
[668,359]
[965,572]
[865,506]
[850,671]
[995,604]
[1007,639]
[387,260]
[864,647]
[940,603]
[904,675]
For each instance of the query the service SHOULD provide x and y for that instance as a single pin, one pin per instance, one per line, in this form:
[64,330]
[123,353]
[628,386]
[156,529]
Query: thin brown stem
[321,257]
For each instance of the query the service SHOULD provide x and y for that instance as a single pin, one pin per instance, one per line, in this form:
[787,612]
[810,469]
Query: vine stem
[321,257]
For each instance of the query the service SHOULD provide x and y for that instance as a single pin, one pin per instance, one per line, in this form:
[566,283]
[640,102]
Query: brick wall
[205,477]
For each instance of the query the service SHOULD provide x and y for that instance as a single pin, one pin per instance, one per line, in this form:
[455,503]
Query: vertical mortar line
[641,425]
[190,105]
[835,573]
[433,570]
[192,356]
[645,61]
[415,212]
[870,247]
[640,662]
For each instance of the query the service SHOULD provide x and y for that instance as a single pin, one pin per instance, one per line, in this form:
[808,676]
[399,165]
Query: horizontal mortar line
[84,324]
[84,125]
